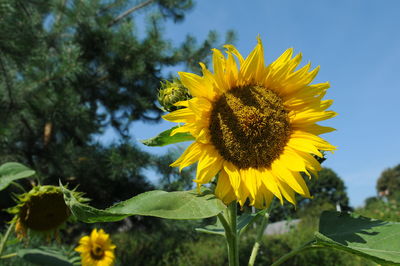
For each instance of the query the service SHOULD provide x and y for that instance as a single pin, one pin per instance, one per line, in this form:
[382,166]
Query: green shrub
[382,209]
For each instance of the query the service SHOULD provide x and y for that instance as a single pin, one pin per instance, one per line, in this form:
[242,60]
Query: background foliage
[70,70]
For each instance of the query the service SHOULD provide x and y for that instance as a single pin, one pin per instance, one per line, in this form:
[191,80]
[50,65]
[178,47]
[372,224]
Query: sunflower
[41,210]
[96,249]
[254,125]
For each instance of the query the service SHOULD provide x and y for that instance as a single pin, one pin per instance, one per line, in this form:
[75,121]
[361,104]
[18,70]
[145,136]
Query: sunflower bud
[171,93]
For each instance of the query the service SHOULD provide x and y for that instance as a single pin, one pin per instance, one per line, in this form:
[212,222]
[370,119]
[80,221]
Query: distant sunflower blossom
[255,125]
[96,249]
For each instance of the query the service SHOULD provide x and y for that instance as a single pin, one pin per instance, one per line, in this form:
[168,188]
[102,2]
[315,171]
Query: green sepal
[165,138]
[180,205]
[372,239]
[9,172]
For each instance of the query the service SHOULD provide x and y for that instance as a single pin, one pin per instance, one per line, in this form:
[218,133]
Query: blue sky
[357,45]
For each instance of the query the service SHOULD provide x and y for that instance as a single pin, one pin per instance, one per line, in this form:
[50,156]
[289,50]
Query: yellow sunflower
[96,249]
[255,125]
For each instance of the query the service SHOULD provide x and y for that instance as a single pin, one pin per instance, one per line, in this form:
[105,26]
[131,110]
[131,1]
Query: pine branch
[50,78]
[26,124]
[129,11]
[59,15]
[7,81]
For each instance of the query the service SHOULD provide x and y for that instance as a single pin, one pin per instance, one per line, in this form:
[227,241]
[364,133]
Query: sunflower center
[44,212]
[97,252]
[249,126]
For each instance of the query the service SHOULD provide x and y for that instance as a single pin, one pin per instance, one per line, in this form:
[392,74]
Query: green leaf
[44,257]
[182,205]
[10,172]
[164,138]
[373,239]
[213,229]
[247,219]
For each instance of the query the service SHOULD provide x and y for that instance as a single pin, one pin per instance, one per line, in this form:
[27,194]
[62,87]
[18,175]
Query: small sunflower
[96,249]
[41,210]
[255,125]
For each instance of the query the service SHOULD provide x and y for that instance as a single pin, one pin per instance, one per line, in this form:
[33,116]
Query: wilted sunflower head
[41,210]
[255,125]
[96,249]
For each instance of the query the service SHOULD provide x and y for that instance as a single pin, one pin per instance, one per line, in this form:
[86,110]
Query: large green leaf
[44,257]
[10,172]
[182,205]
[164,138]
[369,238]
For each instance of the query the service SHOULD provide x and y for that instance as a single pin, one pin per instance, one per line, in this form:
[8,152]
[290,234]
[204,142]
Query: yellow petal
[283,59]
[199,106]
[270,183]
[299,79]
[293,179]
[311,163]
[299,144]
[196,85]
[234,176]
[184,115]
[314,129]
[287,192]
[204,136]
[182,103]
[292,161]
[94,234]
[210,163]
[232,72]
[209,80]
[189,156]
[182,129]
[224,190]
[243,193]
[317,141]
[219,70]
[310,117]
[232,49]
[263,198]
[306,97]
[277,70]
[253,67]
[252,181]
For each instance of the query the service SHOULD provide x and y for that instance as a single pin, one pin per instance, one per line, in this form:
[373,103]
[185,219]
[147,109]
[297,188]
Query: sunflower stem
[257,243]
[8,256]
[229,222]
[308,245]
[260,233]
[5,237]
[19,186]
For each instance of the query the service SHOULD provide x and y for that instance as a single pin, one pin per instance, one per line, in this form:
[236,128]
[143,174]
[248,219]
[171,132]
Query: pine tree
[69,70]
